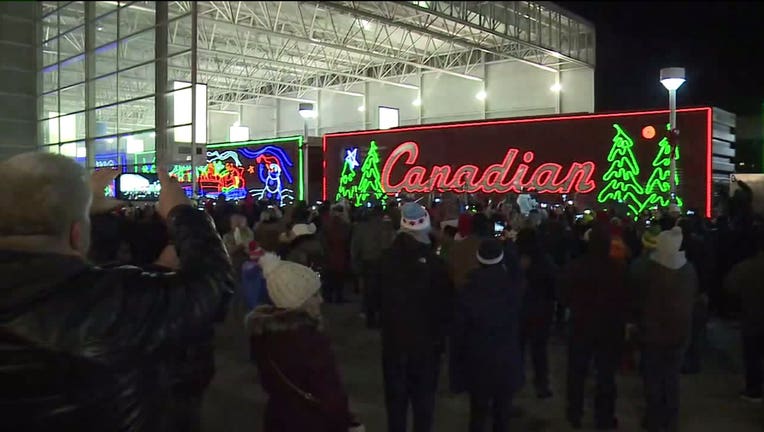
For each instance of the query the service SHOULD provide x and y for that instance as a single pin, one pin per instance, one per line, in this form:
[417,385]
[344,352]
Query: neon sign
[621,177]
[569,154]
[228,171]
[622,184]
[346,189]
[497,178]
[257,168]
[370,185]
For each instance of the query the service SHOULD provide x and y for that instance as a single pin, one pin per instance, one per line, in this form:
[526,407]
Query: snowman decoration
[270,175]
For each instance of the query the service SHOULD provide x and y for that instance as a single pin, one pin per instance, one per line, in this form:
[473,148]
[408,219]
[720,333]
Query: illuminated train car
[267,169]
[598,160]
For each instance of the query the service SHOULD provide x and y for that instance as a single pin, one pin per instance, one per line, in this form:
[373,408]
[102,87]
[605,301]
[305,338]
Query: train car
[598,160]
[270,169]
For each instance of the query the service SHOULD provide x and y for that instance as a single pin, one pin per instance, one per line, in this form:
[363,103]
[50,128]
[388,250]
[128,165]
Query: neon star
[251,169]
[351,157]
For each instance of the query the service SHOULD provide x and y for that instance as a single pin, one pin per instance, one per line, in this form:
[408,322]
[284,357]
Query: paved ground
[235,401]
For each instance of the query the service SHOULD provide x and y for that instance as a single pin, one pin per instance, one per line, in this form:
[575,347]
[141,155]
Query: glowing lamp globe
[672,78]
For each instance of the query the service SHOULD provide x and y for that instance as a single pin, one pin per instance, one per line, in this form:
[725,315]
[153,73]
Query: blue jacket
[253,285]
[485,347]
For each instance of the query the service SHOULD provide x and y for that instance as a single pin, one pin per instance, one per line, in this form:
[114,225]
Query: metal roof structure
[247,50]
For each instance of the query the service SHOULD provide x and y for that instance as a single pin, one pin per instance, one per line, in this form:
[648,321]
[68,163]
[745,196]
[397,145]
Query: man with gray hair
[81,344]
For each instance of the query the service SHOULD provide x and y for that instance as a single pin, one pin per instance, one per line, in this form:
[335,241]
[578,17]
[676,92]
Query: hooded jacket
[84,348]
[294,357]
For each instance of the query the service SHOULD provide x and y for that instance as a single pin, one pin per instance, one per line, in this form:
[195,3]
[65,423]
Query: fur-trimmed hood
[270,319]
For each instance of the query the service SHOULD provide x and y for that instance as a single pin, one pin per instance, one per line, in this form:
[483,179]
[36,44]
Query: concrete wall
[513,89]
[447,98]
[18,79]
[577,93]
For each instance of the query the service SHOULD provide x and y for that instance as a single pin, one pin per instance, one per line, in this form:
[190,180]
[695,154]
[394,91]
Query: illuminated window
[388,117]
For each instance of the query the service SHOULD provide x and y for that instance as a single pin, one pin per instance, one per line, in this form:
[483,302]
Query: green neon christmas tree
[621,178]
[370,185]
[346,188]
[658,187]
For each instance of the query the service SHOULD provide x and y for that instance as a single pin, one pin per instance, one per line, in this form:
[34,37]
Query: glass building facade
[112,75]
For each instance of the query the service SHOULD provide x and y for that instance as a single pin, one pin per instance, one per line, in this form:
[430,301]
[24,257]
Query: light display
[658,187]
[258,168]
[497,178]
[346,189]
[543,155]
[370,186]
[621,177]
[233,173]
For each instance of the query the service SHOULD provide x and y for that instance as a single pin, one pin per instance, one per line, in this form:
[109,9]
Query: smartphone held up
[137,187]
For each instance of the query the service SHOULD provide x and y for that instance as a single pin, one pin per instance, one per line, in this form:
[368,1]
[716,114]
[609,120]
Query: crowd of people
[110,311]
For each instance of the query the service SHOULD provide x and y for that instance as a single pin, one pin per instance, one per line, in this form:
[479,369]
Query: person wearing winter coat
[744,281]
[416,304]
[336,240]
[594,288]
[537,309]
[665,287]
[237,240]
[253,286]
[486,358]
[472,230]
[370,239]
[301,244]
[85,347]
[297,367]
[268,230]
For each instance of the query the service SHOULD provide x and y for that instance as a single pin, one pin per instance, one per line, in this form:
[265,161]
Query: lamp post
[672,78]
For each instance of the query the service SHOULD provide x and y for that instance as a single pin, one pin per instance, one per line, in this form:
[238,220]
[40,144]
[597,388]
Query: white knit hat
[414,217]
[289,284]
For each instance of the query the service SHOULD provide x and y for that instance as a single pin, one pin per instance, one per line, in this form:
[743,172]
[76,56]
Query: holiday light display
[621,178]
[658,186]
[258,168]
[585,157]
[370,186]
[346,189]
[497,178]
[228,172]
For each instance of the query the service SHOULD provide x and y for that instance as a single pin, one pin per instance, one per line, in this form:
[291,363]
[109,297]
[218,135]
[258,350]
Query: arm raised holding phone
[83,343]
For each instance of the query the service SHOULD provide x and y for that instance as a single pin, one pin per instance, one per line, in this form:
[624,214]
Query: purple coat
[290,350]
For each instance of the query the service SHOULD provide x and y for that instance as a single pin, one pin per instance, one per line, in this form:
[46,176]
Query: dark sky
[720,44]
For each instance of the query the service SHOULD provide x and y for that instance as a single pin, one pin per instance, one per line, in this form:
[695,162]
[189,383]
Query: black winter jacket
[84,348]
[416,298]
[485,348]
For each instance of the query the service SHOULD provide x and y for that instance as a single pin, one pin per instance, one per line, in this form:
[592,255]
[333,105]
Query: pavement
[710,403]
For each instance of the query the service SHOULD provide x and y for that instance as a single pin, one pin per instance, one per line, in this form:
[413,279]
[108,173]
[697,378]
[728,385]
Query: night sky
[721,46]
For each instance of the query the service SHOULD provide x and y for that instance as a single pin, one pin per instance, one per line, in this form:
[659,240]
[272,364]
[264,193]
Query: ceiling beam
[298,67]
[349,49]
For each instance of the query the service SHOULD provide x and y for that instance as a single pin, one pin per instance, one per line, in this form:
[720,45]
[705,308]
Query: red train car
[596,159]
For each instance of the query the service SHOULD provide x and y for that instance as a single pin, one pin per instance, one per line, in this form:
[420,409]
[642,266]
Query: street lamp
[672,78]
